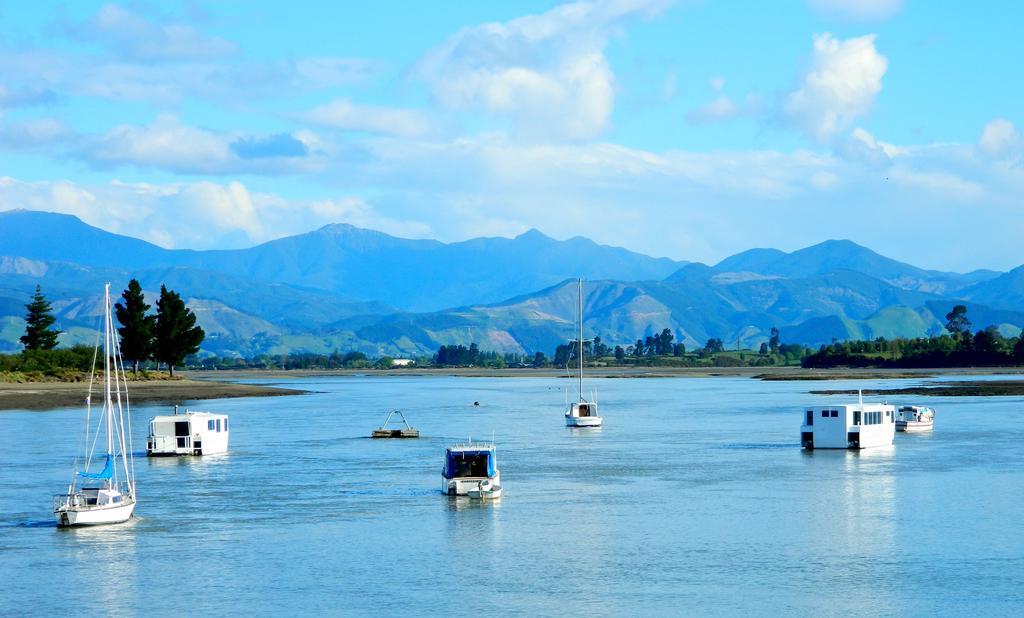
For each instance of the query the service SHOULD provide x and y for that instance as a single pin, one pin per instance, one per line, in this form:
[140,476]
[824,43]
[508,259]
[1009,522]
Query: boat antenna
[860,398]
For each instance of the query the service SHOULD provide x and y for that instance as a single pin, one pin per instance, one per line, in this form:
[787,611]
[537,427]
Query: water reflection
[107,565]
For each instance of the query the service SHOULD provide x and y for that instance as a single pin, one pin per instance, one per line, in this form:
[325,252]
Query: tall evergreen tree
[957,322]
[177,335]
[38,334]
[137,328]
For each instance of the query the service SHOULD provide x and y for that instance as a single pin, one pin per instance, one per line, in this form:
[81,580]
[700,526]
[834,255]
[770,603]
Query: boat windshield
[469,464]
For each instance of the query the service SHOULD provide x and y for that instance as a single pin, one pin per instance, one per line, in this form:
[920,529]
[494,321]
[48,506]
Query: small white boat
[581,413]
[107,496]
[467,466]
[485,490]
[191,433]
[915,418]
[854,425]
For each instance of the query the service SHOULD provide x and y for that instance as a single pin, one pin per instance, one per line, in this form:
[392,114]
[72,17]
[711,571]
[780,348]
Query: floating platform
[402,432]
[396,433]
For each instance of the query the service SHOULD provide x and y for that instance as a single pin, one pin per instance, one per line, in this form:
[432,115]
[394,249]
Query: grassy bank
[77,376]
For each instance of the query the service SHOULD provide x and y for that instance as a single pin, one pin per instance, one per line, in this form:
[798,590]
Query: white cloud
[33,76]
[857,10]
[139,37]
[947,185]
[722,108]
[547,73]
[840,87]
[1001,139]
[168,144]
[343,114]
[34,133]
[862,146]
[197,215]
[165,143]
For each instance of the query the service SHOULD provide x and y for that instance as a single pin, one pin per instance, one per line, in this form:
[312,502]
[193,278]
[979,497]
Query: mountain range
[346,288]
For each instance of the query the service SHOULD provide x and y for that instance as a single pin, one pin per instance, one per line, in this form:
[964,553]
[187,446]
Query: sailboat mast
[580,301]
[108,408]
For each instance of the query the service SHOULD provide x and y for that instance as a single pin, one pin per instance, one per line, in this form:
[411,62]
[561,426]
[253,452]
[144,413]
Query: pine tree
[177,336]
[38,334]
[137,328]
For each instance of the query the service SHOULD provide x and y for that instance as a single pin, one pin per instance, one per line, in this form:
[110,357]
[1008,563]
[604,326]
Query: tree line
[959,346]
[296,360]
[659,349]
[167,336]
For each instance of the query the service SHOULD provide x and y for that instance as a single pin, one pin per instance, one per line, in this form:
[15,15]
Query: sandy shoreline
[44,395]
[198,385]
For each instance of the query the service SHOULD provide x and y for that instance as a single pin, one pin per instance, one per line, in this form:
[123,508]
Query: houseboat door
[181,432]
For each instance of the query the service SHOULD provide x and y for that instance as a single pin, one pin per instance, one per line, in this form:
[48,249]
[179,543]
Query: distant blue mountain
[416,275]
[346,288]
[833,255]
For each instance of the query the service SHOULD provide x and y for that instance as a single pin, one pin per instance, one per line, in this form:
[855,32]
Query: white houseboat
[853,425]
[915,418]
[191,433]
[470,467]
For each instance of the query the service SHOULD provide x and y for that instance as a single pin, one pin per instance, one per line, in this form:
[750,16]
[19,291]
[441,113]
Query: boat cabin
[855,425]
[582,413]
[584,409]
[465,465]
[915,418]
[191,433]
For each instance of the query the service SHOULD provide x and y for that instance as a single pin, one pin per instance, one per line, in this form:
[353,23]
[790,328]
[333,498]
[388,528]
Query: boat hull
[914,426]
[582,421]
[462,486]
[96,516]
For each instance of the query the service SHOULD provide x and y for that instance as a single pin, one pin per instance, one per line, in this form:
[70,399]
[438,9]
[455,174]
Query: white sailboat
[581,413]
[107,496]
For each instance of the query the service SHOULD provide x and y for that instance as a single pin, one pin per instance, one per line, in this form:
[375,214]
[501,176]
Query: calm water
[694,498]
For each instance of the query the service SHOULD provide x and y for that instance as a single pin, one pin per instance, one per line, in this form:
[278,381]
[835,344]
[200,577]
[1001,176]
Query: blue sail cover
[452,459]
[106,473]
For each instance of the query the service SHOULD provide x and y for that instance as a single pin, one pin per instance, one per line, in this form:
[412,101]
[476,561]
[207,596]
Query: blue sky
[687,129]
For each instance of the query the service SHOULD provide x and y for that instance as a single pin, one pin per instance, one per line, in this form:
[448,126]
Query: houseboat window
[209,425]
[856,417]
[824,414]
[225,424]
[835,413]
[218,425]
